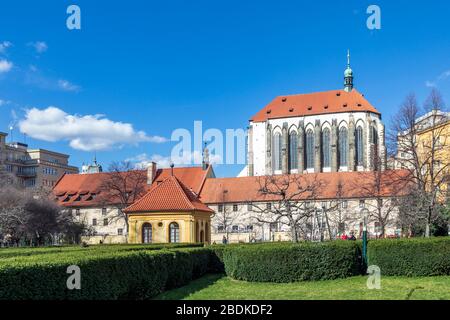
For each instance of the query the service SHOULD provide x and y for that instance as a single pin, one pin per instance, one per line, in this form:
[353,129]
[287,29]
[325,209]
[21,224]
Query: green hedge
[288,262]
[104,275]
[411,257]
[27,251]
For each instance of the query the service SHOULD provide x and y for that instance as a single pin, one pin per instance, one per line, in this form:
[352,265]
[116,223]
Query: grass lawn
[217,287]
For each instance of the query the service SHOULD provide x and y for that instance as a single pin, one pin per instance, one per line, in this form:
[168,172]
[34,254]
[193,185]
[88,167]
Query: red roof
[299,105]
[85,190]
[354,185]
[170,195]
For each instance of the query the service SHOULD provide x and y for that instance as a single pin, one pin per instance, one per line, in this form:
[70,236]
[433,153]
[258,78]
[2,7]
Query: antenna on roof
[171,169]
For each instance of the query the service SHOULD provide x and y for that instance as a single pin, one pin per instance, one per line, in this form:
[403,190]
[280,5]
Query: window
[344,204]
[249,228]
[343,147]
[235,207]
[273,227]
[359,146]
[220,208]
[220,228]
[147,233]
[323,205]
[104,211]
[277,151]
[94,222]
[120,231]
[293,142]
[77,212]
[377,227]
[174,232]
[105,222]
[235,228]
[249,207]
[269,206]
[362,203]
[309,149]
[326,148]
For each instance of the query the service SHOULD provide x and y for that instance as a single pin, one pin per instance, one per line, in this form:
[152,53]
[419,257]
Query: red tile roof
[89,186]
[170,195]
[299,105]
[354,185]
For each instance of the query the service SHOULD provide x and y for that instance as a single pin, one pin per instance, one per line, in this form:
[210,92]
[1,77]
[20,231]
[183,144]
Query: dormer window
[283,99]
[268,111]
[344,105]
[309,108]
[291,109]
[325,107]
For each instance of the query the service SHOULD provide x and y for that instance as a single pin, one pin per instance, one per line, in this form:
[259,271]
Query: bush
[286,262]
[108,274]
[411,257]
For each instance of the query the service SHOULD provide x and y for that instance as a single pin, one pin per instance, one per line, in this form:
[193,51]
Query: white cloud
[39,46]
[187,159]
[4,102]
[5,66]
[86,133]
[67,86]
[4,45]
[443,76]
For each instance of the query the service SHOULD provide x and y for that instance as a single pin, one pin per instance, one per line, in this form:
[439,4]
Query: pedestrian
[344,236]
[224,240]
[352,236]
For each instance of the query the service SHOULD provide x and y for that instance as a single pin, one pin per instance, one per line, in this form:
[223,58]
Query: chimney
[151,173]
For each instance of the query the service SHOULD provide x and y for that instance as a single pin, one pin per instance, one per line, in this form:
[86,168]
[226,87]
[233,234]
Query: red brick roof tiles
[300,105]
[170,195]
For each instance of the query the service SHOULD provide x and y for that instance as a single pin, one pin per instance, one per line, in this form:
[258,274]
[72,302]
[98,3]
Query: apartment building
[33,167]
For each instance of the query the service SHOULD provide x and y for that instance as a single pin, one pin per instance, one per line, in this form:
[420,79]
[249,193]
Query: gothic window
[326,148]
[277,151]
[174,232]
[359,146]
[343,146]
[309,149]
[293,142]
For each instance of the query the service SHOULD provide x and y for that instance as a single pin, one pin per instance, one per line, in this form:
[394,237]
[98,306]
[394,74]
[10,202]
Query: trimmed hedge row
[411,257]
[27,251]
[106,275]
[292,262]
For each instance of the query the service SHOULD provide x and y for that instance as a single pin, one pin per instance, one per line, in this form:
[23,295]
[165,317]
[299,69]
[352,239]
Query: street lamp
[365,214]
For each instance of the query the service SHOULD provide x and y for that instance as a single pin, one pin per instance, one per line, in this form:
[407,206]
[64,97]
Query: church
[336,137]
[331,131]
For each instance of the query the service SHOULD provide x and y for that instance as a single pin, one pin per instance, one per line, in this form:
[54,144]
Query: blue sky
[161,65]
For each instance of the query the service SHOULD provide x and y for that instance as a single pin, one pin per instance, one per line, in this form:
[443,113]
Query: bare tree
[336,214]
[420,147]
[122,186]
[224,218]
[291,199]
[383,188]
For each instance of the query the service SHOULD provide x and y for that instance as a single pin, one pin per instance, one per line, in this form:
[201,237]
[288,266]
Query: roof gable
[169,195]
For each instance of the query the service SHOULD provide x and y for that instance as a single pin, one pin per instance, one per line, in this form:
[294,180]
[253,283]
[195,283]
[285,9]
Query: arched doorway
[174,232]
[146,233]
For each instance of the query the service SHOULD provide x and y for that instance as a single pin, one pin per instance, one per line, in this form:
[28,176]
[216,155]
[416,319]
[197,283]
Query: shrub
[107,274]
[411,257]
[288,262]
